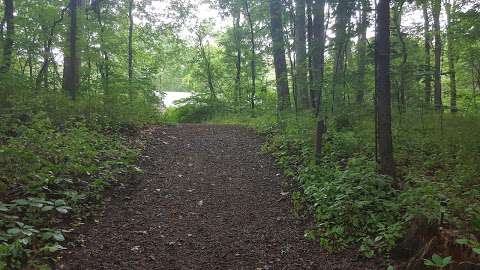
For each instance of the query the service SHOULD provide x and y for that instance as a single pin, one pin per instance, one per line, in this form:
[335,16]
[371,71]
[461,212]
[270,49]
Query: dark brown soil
[208,200]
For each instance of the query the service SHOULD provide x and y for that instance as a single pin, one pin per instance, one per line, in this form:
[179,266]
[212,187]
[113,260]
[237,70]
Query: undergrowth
[54,166]
[439,176]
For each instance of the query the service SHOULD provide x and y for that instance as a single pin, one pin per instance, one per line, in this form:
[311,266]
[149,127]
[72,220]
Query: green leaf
[63,209]
[14,231]
[21,202]
[47,208]
[3,208]
[429,263]
[60,203]
[437,259]
[52,248]
[477,250]
[462,241]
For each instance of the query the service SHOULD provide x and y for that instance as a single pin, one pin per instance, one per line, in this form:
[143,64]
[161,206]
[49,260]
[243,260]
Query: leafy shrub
[48,173]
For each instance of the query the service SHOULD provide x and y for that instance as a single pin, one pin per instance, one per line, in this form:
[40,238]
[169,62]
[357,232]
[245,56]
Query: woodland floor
[208,200]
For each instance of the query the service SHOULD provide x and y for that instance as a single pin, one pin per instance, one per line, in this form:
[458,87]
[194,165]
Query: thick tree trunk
[362,52]
[318,52]
[427,68]
[278,44]
[253,64]
[382,85]
[451,57]
[72,60]
[301,56]
[9,38]
[436,9]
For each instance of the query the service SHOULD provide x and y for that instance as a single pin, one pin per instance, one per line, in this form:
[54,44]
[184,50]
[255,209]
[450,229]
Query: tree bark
[253,57]
[130,40]
[278,44]
[318,52]
[238,63]
[362,52]
[382,85]
[343,12]
[397,19]
[9,38]
[301,56]
[72,60]
[427,68]
[309,52]
[450,8]
[436,9]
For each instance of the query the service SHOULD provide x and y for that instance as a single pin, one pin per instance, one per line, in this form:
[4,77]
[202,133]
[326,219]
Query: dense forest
[369,106]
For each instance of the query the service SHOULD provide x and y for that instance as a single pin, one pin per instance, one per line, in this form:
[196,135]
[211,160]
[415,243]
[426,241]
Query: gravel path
[208,200]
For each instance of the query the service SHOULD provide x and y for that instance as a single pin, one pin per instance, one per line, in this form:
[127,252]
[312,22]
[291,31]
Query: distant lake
[172,97]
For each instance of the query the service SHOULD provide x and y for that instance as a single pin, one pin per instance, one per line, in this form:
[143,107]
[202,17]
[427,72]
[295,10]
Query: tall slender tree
[309,52]
[343,14]
[238,60]
[427,61]
[450,9]
[253,63]
[318,52]
[382,86]
[9,11]
[301,55]
[436,10]
[318,69]
[402,88]
[72,59]
[362,51]
[130,40]
[278,44]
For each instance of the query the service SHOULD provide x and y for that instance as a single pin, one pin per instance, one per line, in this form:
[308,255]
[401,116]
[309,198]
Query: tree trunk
[451,56]
[105,74]
[208,68]
[301,56]
[309,52]
[343,12]
[318,52]
[72,60]
[290,48]
[278,44]
[362,52]
[427,68]
[382,85]
[130,41]
[9,38]
[253,57]
[238,64]
[47,53]
[397,19]
[436,9]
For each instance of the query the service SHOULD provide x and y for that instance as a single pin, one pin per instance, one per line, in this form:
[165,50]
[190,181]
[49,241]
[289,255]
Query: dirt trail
[208,200]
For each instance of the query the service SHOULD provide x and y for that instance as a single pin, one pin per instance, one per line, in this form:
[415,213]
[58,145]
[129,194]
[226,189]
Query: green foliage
[438,262]
[48,173]
[354,205]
